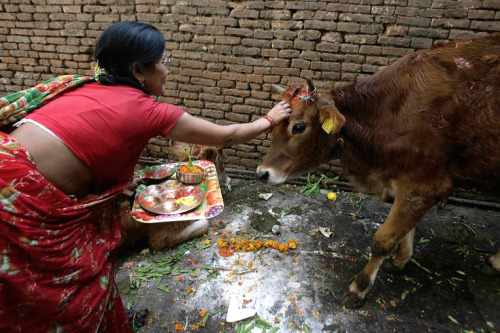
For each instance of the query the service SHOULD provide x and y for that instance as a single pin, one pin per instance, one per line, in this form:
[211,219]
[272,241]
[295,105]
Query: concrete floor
[440,291]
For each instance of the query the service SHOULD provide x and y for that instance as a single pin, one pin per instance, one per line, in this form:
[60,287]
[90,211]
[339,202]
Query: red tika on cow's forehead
[308,96]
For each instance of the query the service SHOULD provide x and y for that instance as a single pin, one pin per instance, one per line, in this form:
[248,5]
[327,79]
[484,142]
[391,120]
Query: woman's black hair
[124,43]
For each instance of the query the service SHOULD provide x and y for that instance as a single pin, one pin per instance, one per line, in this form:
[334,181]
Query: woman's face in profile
[156,76]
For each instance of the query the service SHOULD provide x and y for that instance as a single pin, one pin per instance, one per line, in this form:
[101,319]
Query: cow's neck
[361,108]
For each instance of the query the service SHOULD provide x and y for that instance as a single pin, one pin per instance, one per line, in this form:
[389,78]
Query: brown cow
[407,132]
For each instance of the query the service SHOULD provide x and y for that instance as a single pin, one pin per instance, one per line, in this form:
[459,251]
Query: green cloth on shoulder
[15,106]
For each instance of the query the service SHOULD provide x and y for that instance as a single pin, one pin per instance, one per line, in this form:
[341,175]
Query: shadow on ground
[441,289]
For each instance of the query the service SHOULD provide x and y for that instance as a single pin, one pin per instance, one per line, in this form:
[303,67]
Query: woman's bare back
[55,161]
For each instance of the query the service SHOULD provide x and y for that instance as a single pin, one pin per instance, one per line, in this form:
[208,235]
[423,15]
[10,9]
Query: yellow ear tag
[327,125]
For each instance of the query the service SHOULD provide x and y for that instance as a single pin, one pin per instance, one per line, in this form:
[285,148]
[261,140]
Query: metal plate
[161,171]
[170,197]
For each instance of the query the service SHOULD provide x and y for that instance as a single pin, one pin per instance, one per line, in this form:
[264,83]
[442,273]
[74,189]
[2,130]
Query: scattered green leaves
[355,200]
[157,268]
[423,240]
[248,325]
[205,318]
[313,187]
[163,288]
[420,266]
[453,320]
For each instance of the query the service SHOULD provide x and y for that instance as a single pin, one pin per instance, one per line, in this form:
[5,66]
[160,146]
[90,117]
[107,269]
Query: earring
[142,82]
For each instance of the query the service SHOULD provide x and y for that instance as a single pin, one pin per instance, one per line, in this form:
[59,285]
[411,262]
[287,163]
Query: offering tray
[208,194]
[170,197]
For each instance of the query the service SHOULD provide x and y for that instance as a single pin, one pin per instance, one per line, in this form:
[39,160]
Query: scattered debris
[265,196]
[325,231]
[235,311]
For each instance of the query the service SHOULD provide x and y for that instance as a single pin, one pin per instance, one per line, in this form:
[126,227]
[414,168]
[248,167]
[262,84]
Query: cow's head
[306,139]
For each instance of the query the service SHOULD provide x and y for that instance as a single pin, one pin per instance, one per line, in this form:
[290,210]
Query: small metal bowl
[189,178]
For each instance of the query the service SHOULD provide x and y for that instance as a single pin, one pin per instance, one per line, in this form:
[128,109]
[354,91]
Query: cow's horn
[277,88]
[310,84]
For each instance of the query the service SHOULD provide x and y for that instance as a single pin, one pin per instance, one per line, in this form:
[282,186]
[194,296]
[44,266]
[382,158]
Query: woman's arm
[190,129]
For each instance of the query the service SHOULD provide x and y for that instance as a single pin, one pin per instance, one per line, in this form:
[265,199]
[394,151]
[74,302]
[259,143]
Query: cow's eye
[299,127]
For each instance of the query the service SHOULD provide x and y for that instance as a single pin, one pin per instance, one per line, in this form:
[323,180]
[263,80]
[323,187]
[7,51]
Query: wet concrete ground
[441,289]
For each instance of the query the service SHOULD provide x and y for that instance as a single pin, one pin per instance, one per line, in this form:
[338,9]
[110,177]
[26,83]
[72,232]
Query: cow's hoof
[488,270]
[391,268]
[351,301]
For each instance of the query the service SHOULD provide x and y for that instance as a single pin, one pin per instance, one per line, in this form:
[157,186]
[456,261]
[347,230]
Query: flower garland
[98,71]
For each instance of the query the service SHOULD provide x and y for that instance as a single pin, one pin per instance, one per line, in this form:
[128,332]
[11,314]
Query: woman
[59,170]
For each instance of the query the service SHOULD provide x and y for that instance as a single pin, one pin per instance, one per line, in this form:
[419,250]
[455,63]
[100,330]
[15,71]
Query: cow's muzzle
[263,176]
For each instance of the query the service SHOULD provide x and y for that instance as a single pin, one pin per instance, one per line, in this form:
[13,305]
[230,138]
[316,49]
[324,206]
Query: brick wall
[226,54]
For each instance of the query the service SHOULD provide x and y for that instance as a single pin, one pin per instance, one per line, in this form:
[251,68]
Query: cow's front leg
[408,208]
[495,261]
[492,266]
[403,254]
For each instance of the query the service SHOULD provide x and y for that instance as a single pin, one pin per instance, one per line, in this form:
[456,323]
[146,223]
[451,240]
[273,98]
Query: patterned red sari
[57,254]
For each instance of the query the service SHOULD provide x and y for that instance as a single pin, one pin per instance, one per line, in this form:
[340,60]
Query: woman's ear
[137,73]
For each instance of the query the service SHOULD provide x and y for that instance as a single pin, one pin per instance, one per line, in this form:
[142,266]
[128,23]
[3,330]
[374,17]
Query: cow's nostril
[263,176]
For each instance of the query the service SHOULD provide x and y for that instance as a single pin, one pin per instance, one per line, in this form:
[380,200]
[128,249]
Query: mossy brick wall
[226,54]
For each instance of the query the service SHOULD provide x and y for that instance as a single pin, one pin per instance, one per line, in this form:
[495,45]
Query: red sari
[57,254]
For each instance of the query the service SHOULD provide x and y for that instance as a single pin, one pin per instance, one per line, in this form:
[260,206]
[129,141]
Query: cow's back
[439,108]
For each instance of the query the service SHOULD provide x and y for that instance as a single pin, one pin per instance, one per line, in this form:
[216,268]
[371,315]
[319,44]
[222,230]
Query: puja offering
[189,174]
[171,197]
[172,200]
[161,171]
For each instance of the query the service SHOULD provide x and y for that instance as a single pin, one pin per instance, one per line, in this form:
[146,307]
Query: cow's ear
[331,119]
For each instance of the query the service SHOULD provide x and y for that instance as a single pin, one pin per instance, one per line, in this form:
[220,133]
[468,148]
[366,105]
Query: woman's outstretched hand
[280,112]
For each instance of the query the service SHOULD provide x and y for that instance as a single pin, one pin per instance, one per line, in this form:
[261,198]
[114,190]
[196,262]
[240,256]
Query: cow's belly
[375,183]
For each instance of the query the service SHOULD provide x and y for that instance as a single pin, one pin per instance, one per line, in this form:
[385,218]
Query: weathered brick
[328,47]
[239,32]
[450,23]
[488,26]
[431,12]
[254,24]
[396,30]
[325,66]
[282,44]
[365,49]
[284,34]
[360,39]
[309,34]
[349,17]
[244,13]
[286,71]
[383,10]
[481,14]
[246,109]
[256,43]
[491,4]
[348,27]
[283,14]
[246,51]
[304,45]
[287,53]
[386,40]
[421,43]
[428,32]
[279,62]
[263,34]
